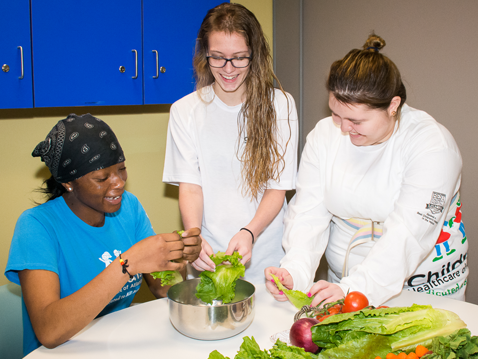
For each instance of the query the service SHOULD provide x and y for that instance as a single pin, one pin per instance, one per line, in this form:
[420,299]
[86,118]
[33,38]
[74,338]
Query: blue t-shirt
[51,237]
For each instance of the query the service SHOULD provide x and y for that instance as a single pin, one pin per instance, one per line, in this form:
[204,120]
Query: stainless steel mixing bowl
[196,319]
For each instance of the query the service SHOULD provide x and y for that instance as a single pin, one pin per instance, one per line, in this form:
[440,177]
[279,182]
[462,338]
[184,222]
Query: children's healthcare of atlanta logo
[437,203]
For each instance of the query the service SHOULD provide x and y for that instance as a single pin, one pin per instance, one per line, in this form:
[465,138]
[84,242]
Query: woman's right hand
[204,261]
[284,277]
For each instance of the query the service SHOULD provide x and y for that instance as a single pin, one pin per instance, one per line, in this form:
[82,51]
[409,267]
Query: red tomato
[324,316]
[382,306]
[354,301]
[335,309]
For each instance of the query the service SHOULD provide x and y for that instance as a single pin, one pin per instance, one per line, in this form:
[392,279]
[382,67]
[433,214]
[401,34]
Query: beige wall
[141,131]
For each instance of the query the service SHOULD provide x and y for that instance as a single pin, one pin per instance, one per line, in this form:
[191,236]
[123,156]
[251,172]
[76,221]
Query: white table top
[144,330]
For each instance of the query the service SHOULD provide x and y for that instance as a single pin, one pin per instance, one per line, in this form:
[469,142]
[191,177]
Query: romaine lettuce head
[363,346]
[404,327]
[221,284]
[168,277]
[296,297]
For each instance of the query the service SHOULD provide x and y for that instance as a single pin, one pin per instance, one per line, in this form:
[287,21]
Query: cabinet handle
[135,64]
[21,60]
[157,65]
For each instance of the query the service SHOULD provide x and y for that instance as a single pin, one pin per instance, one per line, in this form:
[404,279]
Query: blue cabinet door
[170,29]
[15,55]
[87,52]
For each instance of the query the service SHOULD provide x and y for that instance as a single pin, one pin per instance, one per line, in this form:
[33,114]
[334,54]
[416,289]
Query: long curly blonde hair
[263,156]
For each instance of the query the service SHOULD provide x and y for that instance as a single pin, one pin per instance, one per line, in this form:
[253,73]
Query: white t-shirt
[407,183]
[202,149]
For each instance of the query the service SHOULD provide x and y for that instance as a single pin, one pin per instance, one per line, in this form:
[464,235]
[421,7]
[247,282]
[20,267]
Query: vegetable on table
[421,350]
[300,334]
[221,284]
[169,277]
[250,350]
[459,344]
[376,332]
[354,301]
[296,297]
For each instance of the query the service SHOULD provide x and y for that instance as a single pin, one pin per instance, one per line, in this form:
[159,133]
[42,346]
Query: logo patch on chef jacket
[437,203]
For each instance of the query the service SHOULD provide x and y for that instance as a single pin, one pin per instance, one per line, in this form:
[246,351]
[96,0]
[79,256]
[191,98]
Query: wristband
[245,229]
[124,264]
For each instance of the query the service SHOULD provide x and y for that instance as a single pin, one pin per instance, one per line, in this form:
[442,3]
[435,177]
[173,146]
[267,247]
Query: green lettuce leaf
[221,284]
[296,297]
[216,355]
[169,277]
[459,344]
[281,350]
[251,350]
[363,346]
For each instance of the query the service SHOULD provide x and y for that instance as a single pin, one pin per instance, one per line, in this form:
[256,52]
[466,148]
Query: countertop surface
[144,330]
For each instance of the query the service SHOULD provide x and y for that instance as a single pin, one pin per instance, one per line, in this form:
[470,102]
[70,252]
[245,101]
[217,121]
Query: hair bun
[374,42]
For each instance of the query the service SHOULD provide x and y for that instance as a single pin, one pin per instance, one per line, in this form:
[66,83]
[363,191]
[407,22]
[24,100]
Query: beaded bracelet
[245,229]
[124,264]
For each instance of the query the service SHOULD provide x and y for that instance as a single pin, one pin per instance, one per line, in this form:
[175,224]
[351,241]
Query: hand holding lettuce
[221,284]
[169,277]
[296,297]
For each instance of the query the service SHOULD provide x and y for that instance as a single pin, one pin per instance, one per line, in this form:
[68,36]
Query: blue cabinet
[121,52]
[15,55]
[170,29]
[87,52]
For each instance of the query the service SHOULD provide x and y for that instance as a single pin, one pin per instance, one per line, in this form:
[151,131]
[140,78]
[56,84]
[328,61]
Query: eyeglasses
[238,62]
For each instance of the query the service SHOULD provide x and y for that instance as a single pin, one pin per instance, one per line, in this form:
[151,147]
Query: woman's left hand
[324,290]
[242,243]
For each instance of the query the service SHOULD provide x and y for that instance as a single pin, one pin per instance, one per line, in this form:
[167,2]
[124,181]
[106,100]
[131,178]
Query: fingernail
[281,292]
[272,280]
[309,295]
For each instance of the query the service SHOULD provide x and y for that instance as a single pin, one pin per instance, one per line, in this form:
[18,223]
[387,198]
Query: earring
[394,113]
[69,189]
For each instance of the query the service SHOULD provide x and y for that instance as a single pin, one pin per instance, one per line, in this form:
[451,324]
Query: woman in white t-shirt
[232,144]
[377,192]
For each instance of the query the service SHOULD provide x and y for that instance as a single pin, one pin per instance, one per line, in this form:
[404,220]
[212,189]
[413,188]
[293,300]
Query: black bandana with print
[79,145]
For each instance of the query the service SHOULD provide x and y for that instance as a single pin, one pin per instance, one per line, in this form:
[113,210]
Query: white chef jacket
[202,149]
[406,184]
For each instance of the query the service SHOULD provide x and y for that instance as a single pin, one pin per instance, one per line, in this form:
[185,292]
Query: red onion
[301,335]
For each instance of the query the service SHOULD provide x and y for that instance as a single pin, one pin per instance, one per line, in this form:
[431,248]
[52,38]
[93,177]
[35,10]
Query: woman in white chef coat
[377,192]
[232,144]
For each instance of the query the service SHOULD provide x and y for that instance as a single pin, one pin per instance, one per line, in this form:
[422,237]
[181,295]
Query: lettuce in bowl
[221,284]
